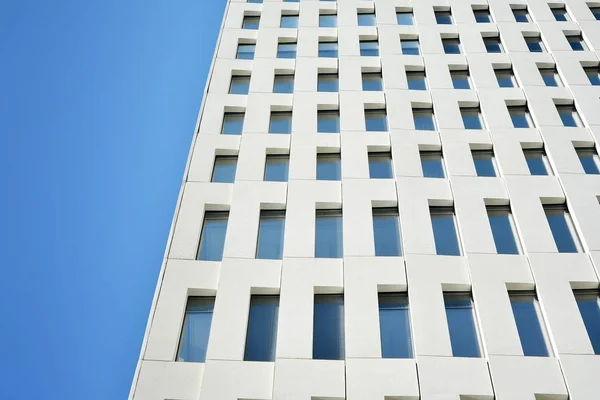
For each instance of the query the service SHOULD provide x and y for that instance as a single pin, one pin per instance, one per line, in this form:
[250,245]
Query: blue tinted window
[289,21]
[560,14]
[484,162]
[328,234]
[394,325]
[492,45]
[328,327]
[405,18]
[568,116]
[589,307]
[196,329]
[521,15]
[286,50]
[224,170]
[416,80]
[376,120]
[589,161]
[276,168]
[451,46]
[233,123]
[432,164]
[505,77]
[329,167]
[386,232]
[423,119]
[372,81]
[536,161]
[281,122]
[245,51]
[255,1]
[576,43]
[461,325]
[212,238]
[460,79]
[328,20]
[596,12]
[367,19]
[471,118]
[520,117]
[369,48]
[283,84]
[262,328]
[410,46]
[328,121]
[501,223]
[328,83]
[528,320]
[562,228]
[593,75]
[444,231]
[328,49]
[270,235]
[534,44]
[380,166]
[443,17]
[482,16]
[251,23]
[239,85]
[550,77]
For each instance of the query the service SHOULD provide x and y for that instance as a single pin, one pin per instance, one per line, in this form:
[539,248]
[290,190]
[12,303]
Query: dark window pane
[404,18]
[410,46]
[394,324]
[471,118]
[443,17]
[593,75]
[534,44]
[536,162]
[380,166]
[560,14]
[432,164]
[289,21]
[328,327]
[212,238]
[262,328]
[423,119]
[386,232]
[521,15]
[233,123]
[492,45]
[328,121]
[484,163]
[577,43]
[251,23]
[503,231]
[328,49]
[505,78]
[589,161]
[281,122]
[451,46]
[369,48]
[328,235]
[245,51]
[444,232]
[550,77]
[270,235]
[461,325]
[224,170]
[520,117]
[590,312]
[283,84]
[596,12]
[568,116]
[239,85]
[276,168]
[376,120]
[196,329]
[372,82]
[482,16]
[527,318]
[367,19]
[286,50]
[327,83]
[561,225]
[328,21]
[329,167]
[460,79]
[416,80]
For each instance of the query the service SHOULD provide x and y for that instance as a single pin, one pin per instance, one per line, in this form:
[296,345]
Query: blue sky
[98,101]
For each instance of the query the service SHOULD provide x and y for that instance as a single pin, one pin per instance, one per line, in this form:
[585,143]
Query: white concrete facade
[502,372]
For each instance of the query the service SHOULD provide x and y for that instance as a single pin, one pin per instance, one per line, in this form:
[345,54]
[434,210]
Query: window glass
[534,44]
[251,23]
[366,19]
[328,20]
[410,46]
[328,121]
[416,80]
[537,161]
[328,327]
[492,45]
[270,235]
[550,77]
[562,229]
[451,46]
[196,329]
[461,325]
[589,161]
[444,231]
[520,117]
[589,307]
[286,50]
[262,328]
[372,81]
[212,238]
[386,232]
[443,17]
[239,85]
[505,77]
[289,21]
[503,229]
[281,122]
[394,324]
[245,51]
[255,1]
[369,48]
[283,84]
[233,123]
[460,79]
[471,118]
[593,75]
[405,18]
[596,12]
[432,164]
[380,166]
[423,119]
[529,323]
[568,116]
[521,15]
[224,169]
[328,49]
[276,167]
[482,16]
[329,167]
[376,120]
[485,164]
[560,14]
[328,83]
[577,43]
[328,234]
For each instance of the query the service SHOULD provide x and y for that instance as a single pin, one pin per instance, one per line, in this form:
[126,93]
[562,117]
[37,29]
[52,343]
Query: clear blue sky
[98,101]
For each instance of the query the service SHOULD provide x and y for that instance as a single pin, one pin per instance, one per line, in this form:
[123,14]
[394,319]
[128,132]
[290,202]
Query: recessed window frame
[504,244]
[432,164]
[553,210]
[489,157]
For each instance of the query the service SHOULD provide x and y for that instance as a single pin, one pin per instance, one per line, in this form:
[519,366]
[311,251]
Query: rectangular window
[283,84]
[328,327]
[328,121]
[270,235]
[405,18]
[376,120]
[589,308]
[196,329]
[255,1]
[372,81]
[443,17]
[327,83]
[245,51]
[289,21]
[261,335]
[410,46]
[380,166]
[327,20]
[506,77]
[451,46]
[386,232]
[328,49]
[503,229]
[394,325]
[461,324]
[550,77]
[482,16]
[224,169]
[239,85]
[250,23]
[537,161]
[576,42]
[281,122]
[593,75]
[366,19]
[471,117]
[589,160]
[233,123]
[492,44]
[443,222]
[569,116]
[595,12]
[534,44]
[286,50]
[329,167]
[560,14]
[432,164]
[423,119]
[562,228]
[369,48]
[277,167]
[461,79]
[416,80]
[528,318]
[485,163]
[521,15]
[328,234]
[520,117]
[212,238]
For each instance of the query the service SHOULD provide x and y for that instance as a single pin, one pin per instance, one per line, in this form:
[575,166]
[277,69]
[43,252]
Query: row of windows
[386,231]
[329,165]
[394,325]
[443,16]
[409,46]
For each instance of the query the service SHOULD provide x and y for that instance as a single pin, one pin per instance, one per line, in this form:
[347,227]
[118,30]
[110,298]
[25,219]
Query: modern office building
[388,199]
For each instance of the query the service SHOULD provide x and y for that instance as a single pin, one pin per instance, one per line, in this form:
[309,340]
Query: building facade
[388,199]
